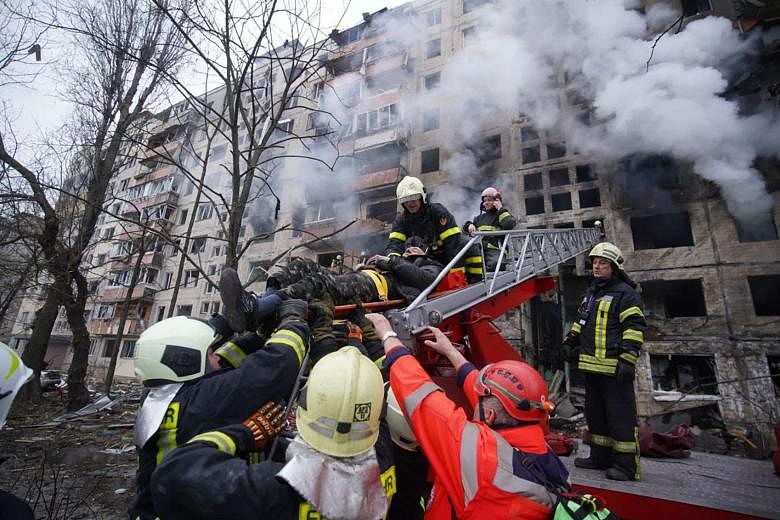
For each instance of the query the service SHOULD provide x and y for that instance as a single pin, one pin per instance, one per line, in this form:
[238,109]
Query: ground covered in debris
[72,466]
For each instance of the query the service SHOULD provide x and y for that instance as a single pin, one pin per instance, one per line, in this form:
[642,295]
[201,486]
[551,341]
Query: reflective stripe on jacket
[613,327]
[474,467]
[501,220]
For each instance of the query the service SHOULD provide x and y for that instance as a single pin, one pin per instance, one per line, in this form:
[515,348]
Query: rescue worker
[604,341]
[478,469]
[339,465]
[434,224]
[397,277]
[493,216]
[188,394]
[13,376]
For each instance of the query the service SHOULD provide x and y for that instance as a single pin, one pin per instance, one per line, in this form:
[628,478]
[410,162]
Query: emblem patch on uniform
[443,221]
[362,412]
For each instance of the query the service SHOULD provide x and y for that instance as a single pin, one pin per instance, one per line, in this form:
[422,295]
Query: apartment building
[709,282]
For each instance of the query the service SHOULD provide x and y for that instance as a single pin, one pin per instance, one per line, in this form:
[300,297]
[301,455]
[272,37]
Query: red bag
[675,444]
[560,443]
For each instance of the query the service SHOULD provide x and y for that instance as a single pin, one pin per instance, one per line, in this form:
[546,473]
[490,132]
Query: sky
[36,107]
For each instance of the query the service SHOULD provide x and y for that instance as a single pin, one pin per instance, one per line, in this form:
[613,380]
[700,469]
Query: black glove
[570,353]
[293,310]
[221,325]
[625,371]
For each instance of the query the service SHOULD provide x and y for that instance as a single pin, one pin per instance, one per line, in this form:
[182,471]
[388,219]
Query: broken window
[533,181]
[384,211]
[774,371]
[489,149]
[531,154]
[433,17]
[764,290]
[585,173]
[690,374]
[432,48]
[591,222]
[468,35]
[534,205]
[590,198]
[183,310]
[328,259]
[651,171]
[432,81]
[561,201]
[674,298]
[564,225]
[430,120]
[528,133]
[470,5]
[663,230]
[128,348]
[757,229]
[430,160]
[694,7]
[198,245]
[559,177]
[108,348]
[556,150]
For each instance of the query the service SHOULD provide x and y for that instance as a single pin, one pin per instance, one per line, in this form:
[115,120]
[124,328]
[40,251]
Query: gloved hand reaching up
[265,423]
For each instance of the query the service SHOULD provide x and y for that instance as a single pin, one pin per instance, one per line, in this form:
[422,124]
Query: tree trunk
[78,396]
[109,381]
[35,351]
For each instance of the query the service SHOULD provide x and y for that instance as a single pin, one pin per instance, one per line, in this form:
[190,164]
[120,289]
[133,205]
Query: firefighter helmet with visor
[410,188]
[340,406]
[518,386]
[609,251]
[174,350]
[13,375]
[490,192]
[400,430]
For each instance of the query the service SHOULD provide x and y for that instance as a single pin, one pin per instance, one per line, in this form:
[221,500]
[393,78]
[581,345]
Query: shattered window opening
[757,229]
[556,150]
[674,298]
[433,48]
[433,17]
[764,290]
[430,120]
[561,201]
[774,372]
[690,374]
[534,205]
[531,154]
[529,133]
[661,231]
[432,81]
[559,177]
[430,160]
[590,198]
[533,181]
[585,173]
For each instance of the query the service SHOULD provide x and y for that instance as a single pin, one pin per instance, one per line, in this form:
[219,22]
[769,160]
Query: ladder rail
[529,252]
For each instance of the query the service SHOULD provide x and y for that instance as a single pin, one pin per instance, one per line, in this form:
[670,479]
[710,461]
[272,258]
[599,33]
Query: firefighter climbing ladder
[524,254]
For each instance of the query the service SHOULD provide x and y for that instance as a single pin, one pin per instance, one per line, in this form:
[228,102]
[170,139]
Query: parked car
[50,380]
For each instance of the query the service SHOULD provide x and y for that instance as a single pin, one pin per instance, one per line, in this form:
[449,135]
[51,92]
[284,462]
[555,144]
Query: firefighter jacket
[610,325]
[435,225]
[492,220]
[410,276]
[208,478]
[221,398]
[477,470]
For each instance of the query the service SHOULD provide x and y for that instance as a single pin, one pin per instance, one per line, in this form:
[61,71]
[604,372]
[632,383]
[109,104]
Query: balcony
[110,326]
[118,294]
[378,179]
[376,137]
[150,259]
[166,197]
[132,231]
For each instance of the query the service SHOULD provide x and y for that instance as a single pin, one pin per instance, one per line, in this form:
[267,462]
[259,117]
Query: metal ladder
[523,255]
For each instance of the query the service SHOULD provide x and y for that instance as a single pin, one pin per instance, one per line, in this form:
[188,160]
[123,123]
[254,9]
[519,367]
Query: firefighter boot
[615,473]
[588,463]
[239,305]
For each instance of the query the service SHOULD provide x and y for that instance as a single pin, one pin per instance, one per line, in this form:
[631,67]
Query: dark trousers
[610,409]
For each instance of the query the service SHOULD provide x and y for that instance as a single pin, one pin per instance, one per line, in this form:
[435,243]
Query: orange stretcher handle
[343,310]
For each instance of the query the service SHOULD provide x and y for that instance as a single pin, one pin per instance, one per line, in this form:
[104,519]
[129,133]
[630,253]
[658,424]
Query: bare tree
[123,48]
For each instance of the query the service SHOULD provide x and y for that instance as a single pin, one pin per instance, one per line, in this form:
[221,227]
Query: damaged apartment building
[709,282]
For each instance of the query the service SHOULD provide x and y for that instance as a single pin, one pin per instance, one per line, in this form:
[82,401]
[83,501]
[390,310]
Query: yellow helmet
[173,350]
[400,429]
[410,188]
[340,406]
[610,252]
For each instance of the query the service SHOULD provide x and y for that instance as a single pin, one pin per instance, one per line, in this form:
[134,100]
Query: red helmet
[520,388]
[491,192]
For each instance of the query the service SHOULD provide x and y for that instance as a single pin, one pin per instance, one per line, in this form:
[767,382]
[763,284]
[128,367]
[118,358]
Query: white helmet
[400,429]
[609,251]
[173,350]
[490,192]
[410,188]
[13,375]
[340,406]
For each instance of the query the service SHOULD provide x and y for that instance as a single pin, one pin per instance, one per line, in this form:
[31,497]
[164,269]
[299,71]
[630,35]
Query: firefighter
[395,277]
[434,224]
[188,394]
[13,376]
[493,216]
[604,341]
[478,470]
[339,465]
